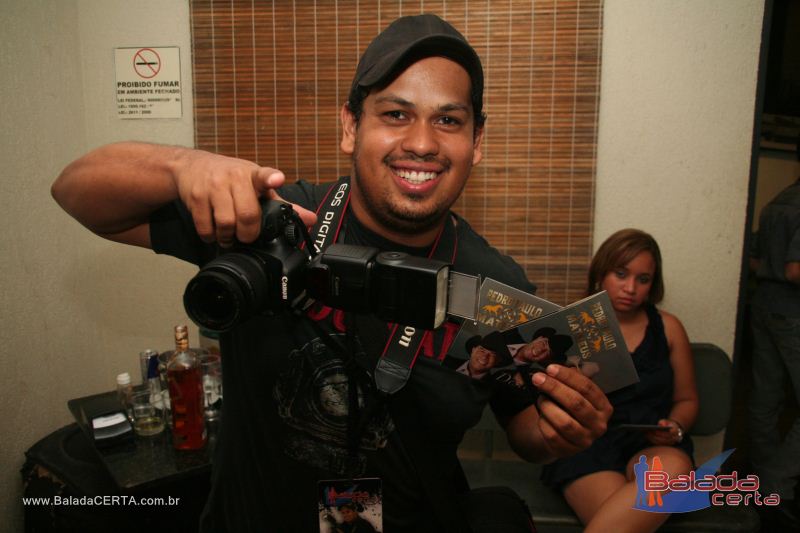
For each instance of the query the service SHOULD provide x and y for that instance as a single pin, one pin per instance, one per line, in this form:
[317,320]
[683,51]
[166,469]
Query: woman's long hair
[617,251]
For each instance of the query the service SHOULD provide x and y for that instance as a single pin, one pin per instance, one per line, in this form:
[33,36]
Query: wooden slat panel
[270,78]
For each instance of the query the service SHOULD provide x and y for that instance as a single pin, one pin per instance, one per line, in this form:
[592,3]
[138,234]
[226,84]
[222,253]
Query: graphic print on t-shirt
[312,393]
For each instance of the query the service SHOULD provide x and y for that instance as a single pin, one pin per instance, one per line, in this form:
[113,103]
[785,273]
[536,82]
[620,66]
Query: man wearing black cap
[297,409]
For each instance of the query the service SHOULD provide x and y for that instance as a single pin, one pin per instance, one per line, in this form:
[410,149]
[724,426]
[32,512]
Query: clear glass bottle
[124,392]
[185,380]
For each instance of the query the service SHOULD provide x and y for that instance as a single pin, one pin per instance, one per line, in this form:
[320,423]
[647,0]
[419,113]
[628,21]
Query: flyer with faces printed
[514,328]
[585,335]
[500,307]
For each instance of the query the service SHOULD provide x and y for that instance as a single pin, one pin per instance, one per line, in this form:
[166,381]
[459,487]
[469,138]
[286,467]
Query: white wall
[76,309]
[676,123]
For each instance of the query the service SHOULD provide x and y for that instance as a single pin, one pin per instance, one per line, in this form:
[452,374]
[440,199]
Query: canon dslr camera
[274,273]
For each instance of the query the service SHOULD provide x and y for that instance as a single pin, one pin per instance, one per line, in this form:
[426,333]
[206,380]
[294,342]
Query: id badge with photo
[347,503]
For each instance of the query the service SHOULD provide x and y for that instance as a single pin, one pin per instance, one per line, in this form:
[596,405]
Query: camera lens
[215,299]
[226,291]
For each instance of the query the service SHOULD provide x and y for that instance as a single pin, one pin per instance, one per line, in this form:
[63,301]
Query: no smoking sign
[148,82]
[146,63]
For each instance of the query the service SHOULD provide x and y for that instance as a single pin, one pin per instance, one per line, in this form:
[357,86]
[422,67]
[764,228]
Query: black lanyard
[402,348]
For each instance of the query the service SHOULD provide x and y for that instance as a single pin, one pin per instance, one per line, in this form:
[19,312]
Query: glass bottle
[124,393]
[185,380]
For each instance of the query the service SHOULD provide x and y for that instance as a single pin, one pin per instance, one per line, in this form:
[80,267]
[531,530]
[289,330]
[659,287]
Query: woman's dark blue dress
[645,402]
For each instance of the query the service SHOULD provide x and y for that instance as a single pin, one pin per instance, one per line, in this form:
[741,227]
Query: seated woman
[599,483]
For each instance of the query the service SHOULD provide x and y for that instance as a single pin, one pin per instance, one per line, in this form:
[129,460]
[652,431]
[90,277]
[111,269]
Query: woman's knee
[588,493]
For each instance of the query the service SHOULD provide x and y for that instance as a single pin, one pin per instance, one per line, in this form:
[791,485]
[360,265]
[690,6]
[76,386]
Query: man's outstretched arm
[113,189]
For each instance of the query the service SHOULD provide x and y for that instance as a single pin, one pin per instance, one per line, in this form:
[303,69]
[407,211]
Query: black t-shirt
[284,424]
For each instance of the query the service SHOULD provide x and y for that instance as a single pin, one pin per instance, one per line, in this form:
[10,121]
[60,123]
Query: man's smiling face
[481,360]
[413,150]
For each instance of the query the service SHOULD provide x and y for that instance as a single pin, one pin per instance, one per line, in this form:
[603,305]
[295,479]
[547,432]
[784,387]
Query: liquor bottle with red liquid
[185,379]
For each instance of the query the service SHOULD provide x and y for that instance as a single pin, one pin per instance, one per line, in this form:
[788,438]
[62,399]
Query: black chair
[488,461]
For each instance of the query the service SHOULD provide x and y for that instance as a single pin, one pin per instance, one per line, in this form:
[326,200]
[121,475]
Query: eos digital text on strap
[286,267]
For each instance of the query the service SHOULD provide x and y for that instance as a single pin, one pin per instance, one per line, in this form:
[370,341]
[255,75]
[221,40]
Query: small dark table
[146,462]
[66,463]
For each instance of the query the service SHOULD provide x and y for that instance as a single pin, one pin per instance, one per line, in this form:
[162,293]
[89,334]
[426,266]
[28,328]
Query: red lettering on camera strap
[403,346]
[400,353]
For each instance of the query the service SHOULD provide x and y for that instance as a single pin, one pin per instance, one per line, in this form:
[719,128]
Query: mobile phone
[642,427]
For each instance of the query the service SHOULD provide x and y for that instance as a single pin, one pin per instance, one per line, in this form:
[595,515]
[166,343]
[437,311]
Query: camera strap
[402,348]
[404,343]
[394,367]
[330,215]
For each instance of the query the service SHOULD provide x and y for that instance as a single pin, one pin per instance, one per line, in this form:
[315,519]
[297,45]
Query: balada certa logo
[659,493]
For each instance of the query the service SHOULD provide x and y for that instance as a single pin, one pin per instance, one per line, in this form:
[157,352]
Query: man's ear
[477,154]
[349,127]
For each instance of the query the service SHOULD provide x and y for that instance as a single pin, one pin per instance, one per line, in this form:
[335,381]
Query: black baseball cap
[410,39]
